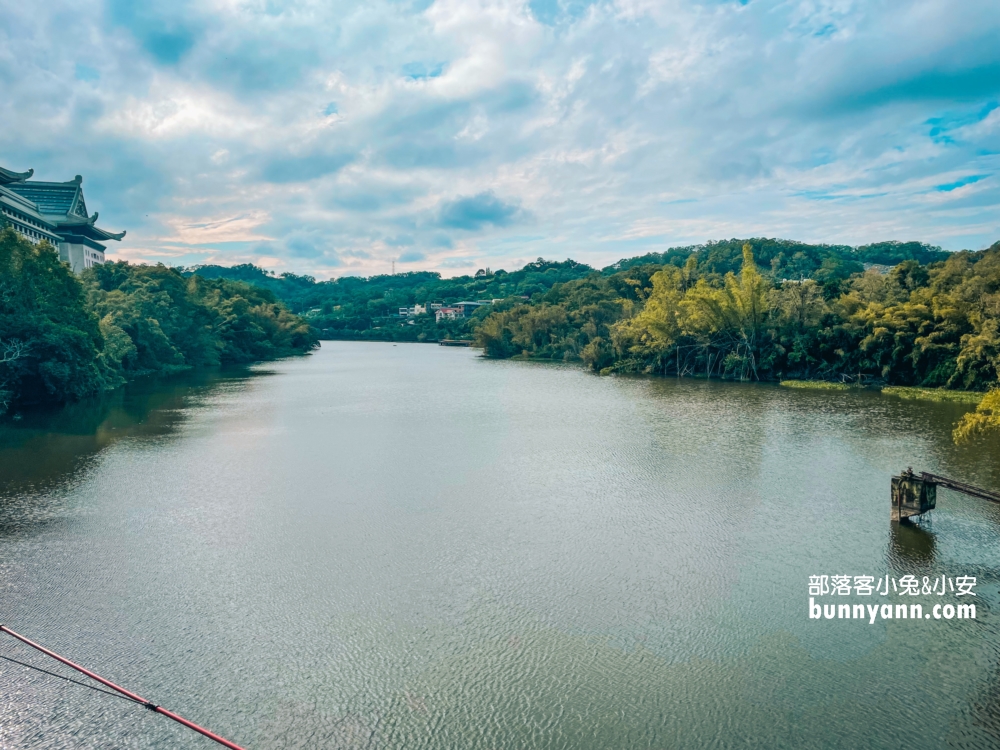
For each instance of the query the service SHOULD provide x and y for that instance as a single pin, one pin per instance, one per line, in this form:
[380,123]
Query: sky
[335,138]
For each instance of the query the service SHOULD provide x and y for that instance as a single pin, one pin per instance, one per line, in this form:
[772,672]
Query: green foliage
[175,322]
[368,308]
[571,321]
[762,308]
[932,321]
[789,259]
[63,337]
[815,385]
[933,394]
[49,340]
[358,308]
[730,319]
[984,420]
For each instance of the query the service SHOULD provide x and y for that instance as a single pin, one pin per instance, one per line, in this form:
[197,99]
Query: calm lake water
[409,546]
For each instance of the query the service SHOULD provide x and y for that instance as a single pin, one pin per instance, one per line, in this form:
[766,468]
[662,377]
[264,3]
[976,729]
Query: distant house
[447,313]
[468,308]
[409,312]
[56,212]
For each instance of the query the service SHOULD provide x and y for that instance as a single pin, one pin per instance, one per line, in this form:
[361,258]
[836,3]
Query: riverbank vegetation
[985,419]
[929,324]
[352,308]
[889,315]
[934,394]
[815,385]
[356,308]
[900,391]
[64,337]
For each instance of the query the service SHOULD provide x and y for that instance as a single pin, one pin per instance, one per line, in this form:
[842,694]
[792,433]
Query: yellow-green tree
[653,332]
[984,420]
[799,304]
[732,318]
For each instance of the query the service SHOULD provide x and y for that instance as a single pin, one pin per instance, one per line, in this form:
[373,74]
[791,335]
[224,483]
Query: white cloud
[629,125]
[204,231]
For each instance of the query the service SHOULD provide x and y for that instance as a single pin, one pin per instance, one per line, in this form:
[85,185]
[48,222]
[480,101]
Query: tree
[732,318]
[984,420]
[64,337]
[653,333]
[50,339]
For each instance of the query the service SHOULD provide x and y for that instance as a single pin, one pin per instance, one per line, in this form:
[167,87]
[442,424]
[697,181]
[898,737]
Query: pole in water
[128,694]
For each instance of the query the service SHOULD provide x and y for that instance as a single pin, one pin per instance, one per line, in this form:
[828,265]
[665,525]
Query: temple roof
[7,177]
[84,226]
[54,197]
[62,205]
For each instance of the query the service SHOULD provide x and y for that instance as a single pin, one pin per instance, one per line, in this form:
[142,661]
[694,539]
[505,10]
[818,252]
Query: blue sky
[332,138]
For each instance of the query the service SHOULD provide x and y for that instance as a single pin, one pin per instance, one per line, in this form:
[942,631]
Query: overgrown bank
[933,325]
[885,314]
[63,337]
[356,308]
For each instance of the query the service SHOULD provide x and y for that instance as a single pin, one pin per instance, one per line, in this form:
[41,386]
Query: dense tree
[368,308]
[985,419]
[757,309]
[63,337]
[933,324]
[176,322]
[760,308]
[729,319]
[49,341]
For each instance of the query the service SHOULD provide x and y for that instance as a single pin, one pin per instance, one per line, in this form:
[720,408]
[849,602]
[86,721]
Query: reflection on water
[43,453]
[411,547]
[45,448]
[911,543]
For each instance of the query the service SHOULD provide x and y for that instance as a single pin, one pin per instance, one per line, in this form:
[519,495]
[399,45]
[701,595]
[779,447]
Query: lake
[410,546]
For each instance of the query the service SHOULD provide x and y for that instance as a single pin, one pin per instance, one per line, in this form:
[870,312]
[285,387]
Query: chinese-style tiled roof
[62,204]
[53,197]
[7,177]
[86,227]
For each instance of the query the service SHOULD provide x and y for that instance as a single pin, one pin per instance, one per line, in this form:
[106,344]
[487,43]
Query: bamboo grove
[934,324]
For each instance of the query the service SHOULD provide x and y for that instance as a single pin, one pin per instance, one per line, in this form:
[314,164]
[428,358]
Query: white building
[56,212]
[409,312]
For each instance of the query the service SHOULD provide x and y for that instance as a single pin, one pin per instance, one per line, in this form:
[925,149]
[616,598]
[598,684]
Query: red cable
[137,698]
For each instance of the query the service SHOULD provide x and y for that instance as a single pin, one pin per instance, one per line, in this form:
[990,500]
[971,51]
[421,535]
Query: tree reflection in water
[46,450]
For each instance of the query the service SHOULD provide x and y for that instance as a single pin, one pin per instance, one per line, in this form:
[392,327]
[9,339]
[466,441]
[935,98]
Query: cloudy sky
[334,137]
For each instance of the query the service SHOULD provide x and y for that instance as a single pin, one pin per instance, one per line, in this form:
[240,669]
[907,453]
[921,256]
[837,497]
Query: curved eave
[84,227]
[102,234]
[72,220]
[7,177]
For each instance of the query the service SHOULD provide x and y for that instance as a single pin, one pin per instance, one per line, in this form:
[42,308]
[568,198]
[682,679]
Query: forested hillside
[758,309]
[933,325]
[63,337]
[367,308]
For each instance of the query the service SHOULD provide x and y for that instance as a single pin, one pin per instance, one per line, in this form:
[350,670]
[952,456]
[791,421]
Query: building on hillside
[457,310]
[409,312]
[56,212]
[468,308]
[447,313]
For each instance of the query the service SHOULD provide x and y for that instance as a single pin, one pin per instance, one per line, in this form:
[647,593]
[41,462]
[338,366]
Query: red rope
[128,694]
